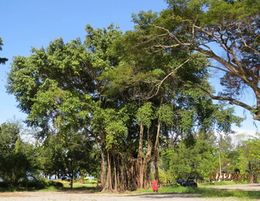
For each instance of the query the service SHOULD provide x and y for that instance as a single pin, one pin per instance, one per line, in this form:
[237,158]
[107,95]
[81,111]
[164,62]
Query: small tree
[16,157]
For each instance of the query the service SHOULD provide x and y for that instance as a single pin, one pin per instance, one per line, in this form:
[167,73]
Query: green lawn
[206,192]
[77,186]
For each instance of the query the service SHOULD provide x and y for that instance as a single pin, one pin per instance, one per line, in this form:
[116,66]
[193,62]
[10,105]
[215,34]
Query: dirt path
[66,196]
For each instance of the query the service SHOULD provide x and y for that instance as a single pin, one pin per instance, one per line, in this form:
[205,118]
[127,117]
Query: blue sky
[30,23]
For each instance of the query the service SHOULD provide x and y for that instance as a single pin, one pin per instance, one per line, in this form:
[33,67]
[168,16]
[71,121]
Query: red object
[155,185]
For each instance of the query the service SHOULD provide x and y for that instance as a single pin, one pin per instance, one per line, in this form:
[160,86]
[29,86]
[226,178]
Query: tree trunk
[103,170]
[140,158]
[132,174]
[108,186]
[71,174]
[147,163]
[156,152]
[252,174]
[115,176]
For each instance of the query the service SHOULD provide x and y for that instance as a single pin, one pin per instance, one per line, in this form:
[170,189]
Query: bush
[4,184]
[55,184]
[35,183]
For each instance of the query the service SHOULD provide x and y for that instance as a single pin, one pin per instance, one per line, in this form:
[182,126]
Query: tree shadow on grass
[80,190]
[210,192]
[157,196]
[52,188]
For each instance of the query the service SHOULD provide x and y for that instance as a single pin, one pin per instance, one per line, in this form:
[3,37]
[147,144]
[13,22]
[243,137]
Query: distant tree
[183,161]
[17,159]
[2,60]
[249,159]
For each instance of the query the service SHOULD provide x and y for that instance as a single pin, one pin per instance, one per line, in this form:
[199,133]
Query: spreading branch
[232,101]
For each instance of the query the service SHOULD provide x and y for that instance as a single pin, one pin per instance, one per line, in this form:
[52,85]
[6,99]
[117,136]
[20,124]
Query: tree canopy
[123,100]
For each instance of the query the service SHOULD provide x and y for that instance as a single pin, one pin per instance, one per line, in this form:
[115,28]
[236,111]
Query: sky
[30,23]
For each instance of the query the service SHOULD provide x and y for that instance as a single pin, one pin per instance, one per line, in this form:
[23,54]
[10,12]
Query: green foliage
[145,114]
[100,43]
[67,153]
[165,114]
[183,161]
[115,130]
[249,156]
[113,126]
[144,19]
[17,158]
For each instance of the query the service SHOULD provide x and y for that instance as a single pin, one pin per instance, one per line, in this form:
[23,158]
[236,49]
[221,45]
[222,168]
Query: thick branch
[230,100]
[228,65]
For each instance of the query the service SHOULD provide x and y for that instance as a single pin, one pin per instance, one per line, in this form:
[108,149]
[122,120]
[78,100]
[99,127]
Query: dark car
[66,178]
[187,183]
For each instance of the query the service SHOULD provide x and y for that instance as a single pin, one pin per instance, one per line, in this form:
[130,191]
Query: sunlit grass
[66,184]
[205,192]
[49,189]
[169,189]
[223,183]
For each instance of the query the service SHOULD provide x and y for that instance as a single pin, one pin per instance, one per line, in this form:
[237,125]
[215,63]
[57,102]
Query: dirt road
[245,187]
[83,196]
[65,196]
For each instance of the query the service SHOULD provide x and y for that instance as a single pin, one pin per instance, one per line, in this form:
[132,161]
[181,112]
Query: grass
[77,186]
[219,183]
[205,192]
[49,189]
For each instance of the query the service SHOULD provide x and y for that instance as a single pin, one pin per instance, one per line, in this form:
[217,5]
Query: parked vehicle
[187,183]
[66,178]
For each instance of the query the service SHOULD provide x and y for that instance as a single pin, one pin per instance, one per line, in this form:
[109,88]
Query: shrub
[55,184]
